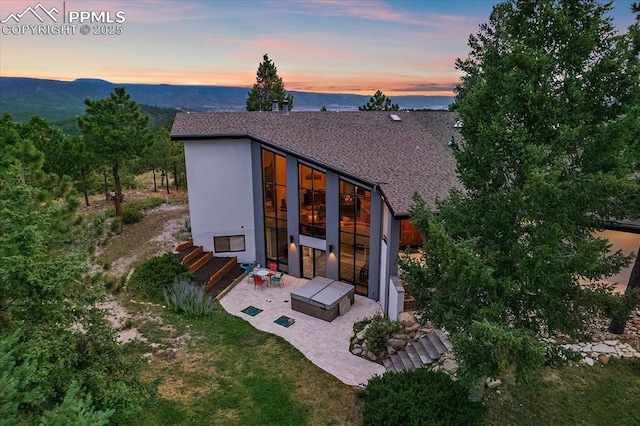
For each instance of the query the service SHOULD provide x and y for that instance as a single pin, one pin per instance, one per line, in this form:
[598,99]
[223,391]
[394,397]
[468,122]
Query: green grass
[599,395]
[229,373]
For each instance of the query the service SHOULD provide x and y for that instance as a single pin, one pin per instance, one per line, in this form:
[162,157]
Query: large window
[274,182]
[312,199]
[355,219]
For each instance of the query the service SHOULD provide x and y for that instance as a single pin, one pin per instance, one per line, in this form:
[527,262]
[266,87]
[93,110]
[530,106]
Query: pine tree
[379,102]
[268,88]
[549,109]
[116,130]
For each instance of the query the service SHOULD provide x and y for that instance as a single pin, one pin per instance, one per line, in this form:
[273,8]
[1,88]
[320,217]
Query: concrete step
[425,358]
[427,350]
[406,361]
[397,362]
[444,339]
[435,341]
[413,355]
[388,364]
[434,355]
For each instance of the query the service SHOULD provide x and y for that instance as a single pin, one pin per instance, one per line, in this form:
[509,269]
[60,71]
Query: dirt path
[157,233]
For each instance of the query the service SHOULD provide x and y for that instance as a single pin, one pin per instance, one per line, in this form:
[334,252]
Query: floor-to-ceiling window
[312,199]
[355,219]
[274,183]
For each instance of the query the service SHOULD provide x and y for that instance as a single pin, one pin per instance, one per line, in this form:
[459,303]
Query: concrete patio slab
[326,344]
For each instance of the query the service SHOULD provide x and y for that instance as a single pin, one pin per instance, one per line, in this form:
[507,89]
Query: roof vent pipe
[274,106]
[285,107]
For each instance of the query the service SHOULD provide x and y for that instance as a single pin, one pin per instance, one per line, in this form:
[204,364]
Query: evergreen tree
[116,131]
[59,359]
[268,88]
[379,102]
[549,104]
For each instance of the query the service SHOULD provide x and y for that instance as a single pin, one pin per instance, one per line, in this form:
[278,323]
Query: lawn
[575,395]
[228,373]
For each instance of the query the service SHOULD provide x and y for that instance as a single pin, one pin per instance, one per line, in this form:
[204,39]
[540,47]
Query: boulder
[406,318]
[397,344]
[450,366]
[493,384]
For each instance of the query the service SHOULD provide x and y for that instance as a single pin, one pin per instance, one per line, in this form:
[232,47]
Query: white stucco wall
[221,193]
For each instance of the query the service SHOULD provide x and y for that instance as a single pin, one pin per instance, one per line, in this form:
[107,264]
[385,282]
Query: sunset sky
[399,47]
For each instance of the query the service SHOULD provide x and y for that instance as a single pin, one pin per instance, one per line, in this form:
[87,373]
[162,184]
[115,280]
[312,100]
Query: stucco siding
[220,173]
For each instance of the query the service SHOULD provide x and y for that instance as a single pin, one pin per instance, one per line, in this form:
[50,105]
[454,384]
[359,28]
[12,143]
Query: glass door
[314,262]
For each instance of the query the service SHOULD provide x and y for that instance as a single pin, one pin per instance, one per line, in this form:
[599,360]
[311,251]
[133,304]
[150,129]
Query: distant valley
[61,101]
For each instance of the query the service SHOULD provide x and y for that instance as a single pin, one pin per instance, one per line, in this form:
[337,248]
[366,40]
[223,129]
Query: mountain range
[57,100]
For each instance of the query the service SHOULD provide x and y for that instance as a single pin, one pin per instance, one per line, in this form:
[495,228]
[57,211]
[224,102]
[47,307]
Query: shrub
[379,331]
[131,214]
[115,225]
[419,397]
[188,299]
[151,278]
[133,211]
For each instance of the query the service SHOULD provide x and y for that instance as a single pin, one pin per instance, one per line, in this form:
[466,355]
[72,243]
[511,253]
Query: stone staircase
[423,352]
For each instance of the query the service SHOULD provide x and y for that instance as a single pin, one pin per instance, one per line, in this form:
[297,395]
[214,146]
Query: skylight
[395,117]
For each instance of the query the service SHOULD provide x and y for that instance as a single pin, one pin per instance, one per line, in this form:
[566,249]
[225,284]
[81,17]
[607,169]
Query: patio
[326,344]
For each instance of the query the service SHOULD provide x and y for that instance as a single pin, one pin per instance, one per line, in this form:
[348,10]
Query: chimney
[274,107]
[285,107]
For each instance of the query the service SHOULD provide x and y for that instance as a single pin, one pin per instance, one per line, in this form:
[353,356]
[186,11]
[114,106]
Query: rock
[493,384]
[401,336]
[589,361]
[391,350]
[450,366]
[371,356]
[603,349]
[611,342]
[357,351]
[406,318]
[397,344]
[412,328]
[360,335]
[169,354]
[604,359]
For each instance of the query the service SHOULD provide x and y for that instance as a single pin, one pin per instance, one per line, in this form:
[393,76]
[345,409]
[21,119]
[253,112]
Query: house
[319,193]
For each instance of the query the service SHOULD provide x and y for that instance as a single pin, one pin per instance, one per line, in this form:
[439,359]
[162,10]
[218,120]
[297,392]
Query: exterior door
[314,262]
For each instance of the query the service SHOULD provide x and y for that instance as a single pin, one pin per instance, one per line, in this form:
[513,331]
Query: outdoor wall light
[330,248]
[291,239]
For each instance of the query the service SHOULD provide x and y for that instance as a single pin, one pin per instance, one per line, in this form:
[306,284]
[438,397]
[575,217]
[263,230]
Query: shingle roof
[402,157]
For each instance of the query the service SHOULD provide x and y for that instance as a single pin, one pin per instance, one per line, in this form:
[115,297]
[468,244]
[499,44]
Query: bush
[150,279]
[133,211]
[419,397]
[188,299]
[131,214]
[378,332]
[115,225]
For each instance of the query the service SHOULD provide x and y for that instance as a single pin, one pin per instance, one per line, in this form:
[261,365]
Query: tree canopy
[379,102]
[549,104]
[268,88]
[59,359]
[116,130]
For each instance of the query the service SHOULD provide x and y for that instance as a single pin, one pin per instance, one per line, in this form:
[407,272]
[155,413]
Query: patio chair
[273,267]
[258,281]
[278,278]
